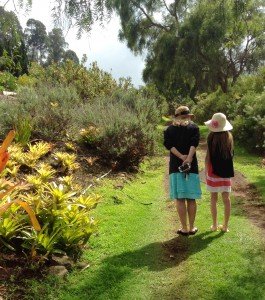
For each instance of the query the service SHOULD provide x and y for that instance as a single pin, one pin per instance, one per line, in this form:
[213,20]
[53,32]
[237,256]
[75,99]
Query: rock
[6,93]
[65,261]
[83,265]
[59,271]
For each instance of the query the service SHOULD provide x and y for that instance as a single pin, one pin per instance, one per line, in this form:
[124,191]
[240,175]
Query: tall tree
[224,39]
[79,13]
[191,45]
[194,46]
[12,46]
[36,40]
[56,46]
[70,54]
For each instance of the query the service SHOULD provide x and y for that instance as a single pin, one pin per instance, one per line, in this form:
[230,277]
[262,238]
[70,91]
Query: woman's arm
[194,142]
[189,157]
[178,154]
[207,159]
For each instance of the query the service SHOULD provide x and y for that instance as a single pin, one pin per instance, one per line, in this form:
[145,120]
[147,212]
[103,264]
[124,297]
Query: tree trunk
[223,82]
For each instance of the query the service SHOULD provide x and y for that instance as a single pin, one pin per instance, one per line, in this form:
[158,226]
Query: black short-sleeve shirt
[182,138]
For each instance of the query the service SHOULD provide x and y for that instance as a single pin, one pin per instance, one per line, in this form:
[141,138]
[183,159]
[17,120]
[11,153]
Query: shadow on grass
[108,280]
[182,247]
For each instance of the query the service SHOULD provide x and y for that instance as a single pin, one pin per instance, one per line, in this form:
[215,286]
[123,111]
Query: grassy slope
[137,254]
[250,166]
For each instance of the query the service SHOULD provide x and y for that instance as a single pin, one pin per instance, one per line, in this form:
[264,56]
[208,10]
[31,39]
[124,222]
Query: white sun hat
[218,123]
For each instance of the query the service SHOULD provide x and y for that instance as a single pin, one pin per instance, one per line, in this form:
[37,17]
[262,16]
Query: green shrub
[25,80]
[150,91]
[249,121]
[48,109]
[8,81]
[243,106]
[9,115]
[125,125]
[208,104]
[248,110]
[23,130]
[89,83]
[90,136]
[250,83]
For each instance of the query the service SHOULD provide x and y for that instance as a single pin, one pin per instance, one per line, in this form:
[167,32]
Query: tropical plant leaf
[4,157]
[6,244]
[7,141]
[9,190]
[27,208]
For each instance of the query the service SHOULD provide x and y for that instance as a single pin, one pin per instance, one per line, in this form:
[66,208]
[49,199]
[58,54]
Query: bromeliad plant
[67,160]
[19,156]
[58,208]
[45,172]
[35,153]
[10,225]
[66,220]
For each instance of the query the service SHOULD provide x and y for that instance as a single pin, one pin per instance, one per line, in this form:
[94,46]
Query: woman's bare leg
[227,209]
[192,209]
[214,200]
[182,212]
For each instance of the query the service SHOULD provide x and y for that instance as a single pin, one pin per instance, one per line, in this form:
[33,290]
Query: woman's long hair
[223,141]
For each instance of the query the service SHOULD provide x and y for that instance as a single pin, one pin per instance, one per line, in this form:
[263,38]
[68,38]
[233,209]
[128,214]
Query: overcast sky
[101,45]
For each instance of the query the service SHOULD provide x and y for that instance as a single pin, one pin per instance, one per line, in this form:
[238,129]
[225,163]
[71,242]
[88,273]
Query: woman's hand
[183,158]
[187,160]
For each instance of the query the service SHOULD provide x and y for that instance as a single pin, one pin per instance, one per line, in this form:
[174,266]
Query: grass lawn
[137,254]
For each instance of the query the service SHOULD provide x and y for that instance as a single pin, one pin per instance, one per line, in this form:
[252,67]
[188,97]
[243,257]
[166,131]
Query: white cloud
[101,45]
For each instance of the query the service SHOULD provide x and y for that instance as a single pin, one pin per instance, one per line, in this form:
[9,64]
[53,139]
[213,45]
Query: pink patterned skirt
[215,183]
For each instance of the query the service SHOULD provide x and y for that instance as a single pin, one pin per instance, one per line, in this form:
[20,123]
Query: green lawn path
[137,254]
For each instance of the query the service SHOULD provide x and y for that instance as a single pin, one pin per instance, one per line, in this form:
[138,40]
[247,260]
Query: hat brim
[227,126]
[185,116]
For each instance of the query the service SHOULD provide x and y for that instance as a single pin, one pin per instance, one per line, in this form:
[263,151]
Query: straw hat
[183,111]
[218,123]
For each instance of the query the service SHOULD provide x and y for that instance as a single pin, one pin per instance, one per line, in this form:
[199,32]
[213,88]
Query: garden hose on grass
[132,198]
[120,188]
